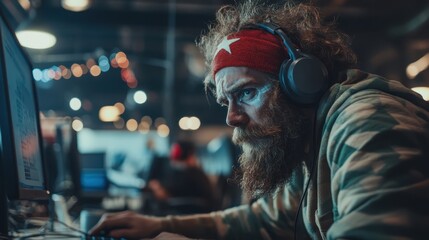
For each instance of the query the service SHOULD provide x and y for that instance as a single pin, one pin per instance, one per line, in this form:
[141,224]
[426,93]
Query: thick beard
[271,151]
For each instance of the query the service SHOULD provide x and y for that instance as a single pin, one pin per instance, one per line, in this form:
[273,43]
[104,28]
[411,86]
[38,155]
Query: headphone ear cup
[284,79]
[304,80]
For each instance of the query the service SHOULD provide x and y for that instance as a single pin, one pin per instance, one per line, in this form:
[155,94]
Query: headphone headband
[276,30]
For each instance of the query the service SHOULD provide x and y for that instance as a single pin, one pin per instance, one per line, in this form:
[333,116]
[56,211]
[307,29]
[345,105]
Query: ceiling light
[36,39]
[75,5]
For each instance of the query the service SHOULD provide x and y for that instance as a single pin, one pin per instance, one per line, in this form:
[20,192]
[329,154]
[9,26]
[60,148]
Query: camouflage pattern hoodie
[370,181]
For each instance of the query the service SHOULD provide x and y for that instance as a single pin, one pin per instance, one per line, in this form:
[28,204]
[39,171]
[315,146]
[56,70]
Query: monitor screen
[93,177]
[128,157]
[21,144]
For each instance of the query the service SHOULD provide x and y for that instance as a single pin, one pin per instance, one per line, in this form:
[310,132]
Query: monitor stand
[61,209]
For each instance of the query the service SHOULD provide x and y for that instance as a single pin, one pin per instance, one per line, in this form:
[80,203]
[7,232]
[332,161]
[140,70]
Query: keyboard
[101,238]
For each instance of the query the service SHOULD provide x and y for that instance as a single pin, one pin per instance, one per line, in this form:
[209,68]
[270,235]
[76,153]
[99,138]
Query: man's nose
[236,116]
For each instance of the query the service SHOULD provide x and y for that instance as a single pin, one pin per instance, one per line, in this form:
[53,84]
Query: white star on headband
[225,45]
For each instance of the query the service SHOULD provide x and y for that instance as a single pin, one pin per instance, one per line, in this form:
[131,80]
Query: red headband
[251,48]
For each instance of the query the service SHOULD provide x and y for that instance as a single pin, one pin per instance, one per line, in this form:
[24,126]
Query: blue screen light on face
[93,179]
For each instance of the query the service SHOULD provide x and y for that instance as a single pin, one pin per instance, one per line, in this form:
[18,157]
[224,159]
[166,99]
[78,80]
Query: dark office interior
[107,130]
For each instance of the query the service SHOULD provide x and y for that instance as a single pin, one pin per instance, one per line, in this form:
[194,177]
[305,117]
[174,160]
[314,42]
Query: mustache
[249,134]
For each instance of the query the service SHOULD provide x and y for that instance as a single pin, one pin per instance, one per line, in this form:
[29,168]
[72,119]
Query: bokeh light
[76,70]
[103,62]
[119,124]
[77,125]
[75,104]
[140,97]
[163,130]
[189,123]
[132,125]
[108,114]
[120,107]
[95,70]
[37,74]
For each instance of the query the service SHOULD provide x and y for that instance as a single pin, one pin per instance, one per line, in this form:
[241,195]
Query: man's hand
[128,225]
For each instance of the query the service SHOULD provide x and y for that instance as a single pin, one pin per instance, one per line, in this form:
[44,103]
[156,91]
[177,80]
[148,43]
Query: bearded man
[330,151]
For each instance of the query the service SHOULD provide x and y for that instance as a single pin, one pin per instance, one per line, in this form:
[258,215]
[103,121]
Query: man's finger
[108,223]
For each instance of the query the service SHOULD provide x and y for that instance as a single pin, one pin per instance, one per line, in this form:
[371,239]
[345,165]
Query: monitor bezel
[9,156]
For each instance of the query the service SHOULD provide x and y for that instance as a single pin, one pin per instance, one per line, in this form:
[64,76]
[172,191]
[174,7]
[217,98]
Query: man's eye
[247,94]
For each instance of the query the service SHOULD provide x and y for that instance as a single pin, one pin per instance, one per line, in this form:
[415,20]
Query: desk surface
[36,234]
[46,230]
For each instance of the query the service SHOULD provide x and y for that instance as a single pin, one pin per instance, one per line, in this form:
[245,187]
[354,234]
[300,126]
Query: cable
[313,163]
[302,200]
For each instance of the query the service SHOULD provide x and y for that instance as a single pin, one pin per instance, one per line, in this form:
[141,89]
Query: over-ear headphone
[303,77]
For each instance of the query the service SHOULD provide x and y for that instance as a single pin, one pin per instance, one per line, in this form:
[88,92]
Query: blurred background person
[185,187]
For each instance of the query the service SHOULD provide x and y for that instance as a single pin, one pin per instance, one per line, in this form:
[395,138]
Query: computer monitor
[93,176]
[61,156]
[21,160]
[127,157]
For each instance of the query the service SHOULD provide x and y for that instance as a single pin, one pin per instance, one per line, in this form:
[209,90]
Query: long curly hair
[301,22]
